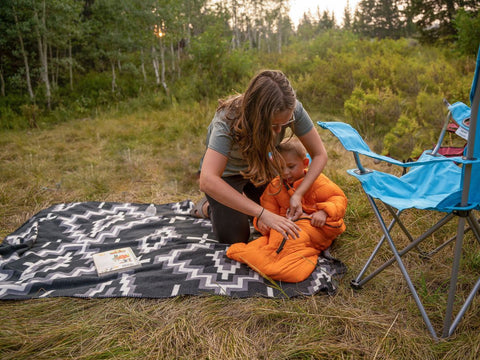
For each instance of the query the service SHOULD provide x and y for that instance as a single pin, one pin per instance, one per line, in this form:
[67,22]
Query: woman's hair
[251,114]
[294,146]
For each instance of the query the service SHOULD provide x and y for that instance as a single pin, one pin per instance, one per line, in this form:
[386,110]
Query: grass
[152,156]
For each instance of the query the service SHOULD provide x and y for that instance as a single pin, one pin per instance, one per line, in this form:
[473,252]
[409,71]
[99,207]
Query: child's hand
[295,210]
[319,218]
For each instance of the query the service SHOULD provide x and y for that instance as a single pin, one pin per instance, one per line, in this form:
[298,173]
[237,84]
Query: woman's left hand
[262,227]
[295,210]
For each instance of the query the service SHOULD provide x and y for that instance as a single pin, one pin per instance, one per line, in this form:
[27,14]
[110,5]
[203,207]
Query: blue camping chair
[433,183]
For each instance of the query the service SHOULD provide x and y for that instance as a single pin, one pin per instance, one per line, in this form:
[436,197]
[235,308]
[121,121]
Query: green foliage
[213,70]
[9,119]
[328,83]
[435,20]
[380,19]
[372,83]
[400,141]
[373,113]
[430,111]
[468,31]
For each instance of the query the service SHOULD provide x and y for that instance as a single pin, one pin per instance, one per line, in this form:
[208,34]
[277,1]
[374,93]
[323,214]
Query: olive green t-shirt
[219,138]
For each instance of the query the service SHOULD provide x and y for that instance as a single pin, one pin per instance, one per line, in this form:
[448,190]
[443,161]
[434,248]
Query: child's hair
[292,145]
[251,114]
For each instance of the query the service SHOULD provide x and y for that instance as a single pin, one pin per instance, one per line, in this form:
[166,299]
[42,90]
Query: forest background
[385,69]
[109,100]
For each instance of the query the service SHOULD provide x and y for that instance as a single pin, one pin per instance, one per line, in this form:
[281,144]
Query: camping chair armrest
[460,113]
[353,142]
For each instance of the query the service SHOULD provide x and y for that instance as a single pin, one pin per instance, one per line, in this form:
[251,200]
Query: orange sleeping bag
[295,260]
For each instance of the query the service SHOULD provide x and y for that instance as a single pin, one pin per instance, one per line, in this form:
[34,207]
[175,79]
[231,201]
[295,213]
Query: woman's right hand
[279,223]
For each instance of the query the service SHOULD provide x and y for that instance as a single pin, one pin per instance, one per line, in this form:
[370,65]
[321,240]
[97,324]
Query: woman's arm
[314,145]
[211,183]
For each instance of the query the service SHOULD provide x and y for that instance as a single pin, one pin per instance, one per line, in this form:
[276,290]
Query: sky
[299,7]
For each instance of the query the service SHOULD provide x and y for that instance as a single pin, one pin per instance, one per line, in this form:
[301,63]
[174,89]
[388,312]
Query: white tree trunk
[144,73]
[156,66]
[42,52]
[25,58]
[172,51]
[162,58]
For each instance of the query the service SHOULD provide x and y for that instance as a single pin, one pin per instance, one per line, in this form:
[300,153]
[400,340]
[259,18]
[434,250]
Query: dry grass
[153,157]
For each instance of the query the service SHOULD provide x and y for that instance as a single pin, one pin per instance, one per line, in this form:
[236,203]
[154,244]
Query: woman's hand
[319,218]
[279,223]
[262,227]
[295,210]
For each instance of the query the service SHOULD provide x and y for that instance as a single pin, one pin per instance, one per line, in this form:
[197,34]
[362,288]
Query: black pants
[229,225]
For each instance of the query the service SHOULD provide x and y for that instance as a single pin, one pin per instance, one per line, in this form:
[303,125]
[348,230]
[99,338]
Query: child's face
[294,167]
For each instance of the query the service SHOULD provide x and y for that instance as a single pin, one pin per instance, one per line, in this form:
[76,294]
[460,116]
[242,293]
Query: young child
[324,205]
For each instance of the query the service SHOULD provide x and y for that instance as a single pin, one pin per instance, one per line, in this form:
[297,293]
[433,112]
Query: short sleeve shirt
[219,138]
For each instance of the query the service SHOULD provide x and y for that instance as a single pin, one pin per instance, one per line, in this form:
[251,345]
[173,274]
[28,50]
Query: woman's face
[282,119]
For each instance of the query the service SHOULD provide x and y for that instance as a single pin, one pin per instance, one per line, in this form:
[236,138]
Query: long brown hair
[251,114]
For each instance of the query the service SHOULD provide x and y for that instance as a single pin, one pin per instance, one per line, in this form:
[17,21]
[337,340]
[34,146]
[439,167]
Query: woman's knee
[233,232]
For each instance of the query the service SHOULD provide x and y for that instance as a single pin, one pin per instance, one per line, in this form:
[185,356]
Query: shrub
[373,113]
[400,142]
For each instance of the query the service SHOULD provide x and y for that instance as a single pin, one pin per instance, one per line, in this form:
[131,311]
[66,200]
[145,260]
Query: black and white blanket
[51,255]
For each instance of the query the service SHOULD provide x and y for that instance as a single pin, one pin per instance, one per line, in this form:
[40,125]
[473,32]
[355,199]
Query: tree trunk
[155,66]
[172,51]
[114,76]
[53,66]
[144,73]
[42,52]
[251,37]
[179,69]
[58,68]
[2,83]
[25,57]
[279,35]
[70,63]
[162,58]
[236,34]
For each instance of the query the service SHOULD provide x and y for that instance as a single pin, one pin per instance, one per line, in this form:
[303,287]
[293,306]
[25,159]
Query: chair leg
[396,216]
[449,325]
[475,227]
[454,277]
[358,282]
[464,308]
[399,261]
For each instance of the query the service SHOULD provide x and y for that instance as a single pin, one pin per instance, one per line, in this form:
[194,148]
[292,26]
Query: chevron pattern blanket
[51,255]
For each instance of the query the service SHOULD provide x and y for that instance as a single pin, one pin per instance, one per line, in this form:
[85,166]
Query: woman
[241,157]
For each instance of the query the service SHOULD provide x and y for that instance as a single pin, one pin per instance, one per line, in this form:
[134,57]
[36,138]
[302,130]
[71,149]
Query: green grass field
[153,157]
